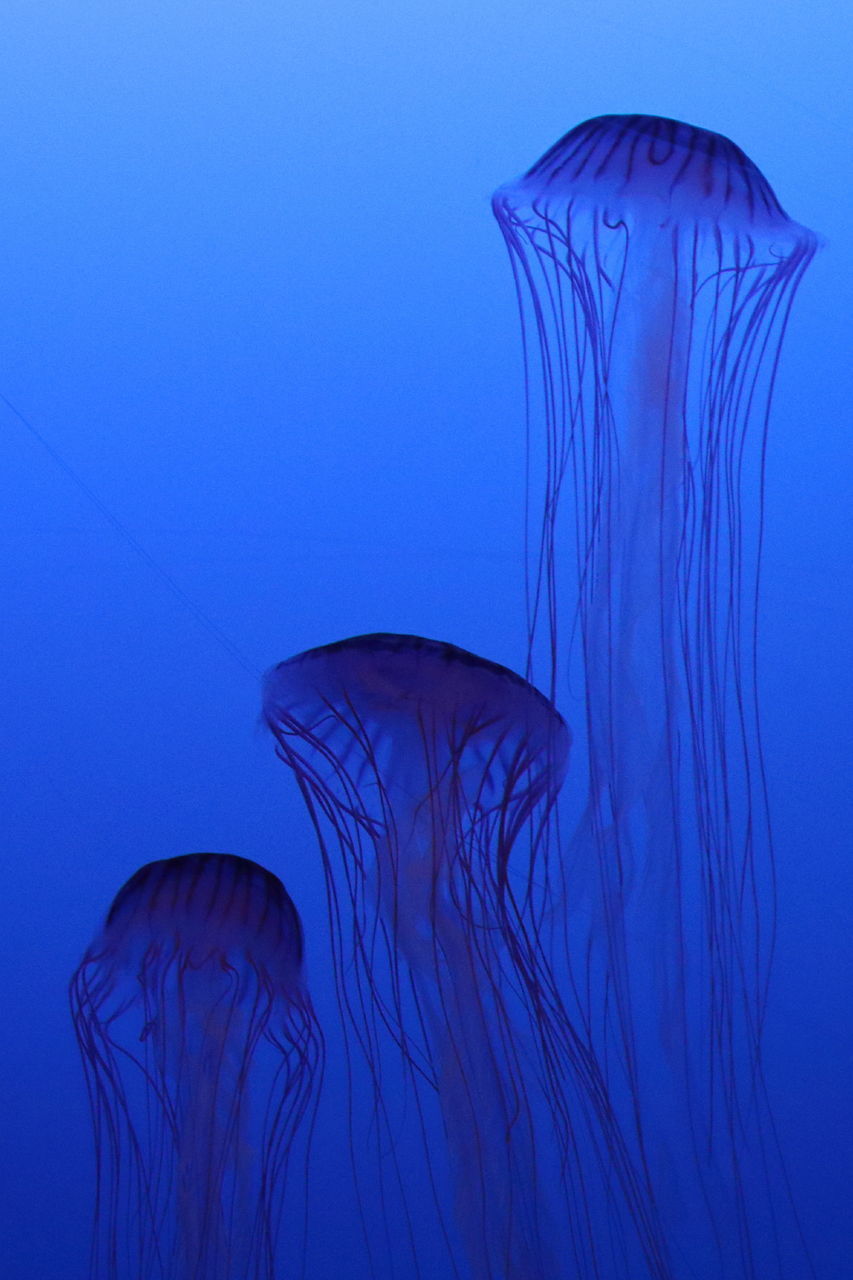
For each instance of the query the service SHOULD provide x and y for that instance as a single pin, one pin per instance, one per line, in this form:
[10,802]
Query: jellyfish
[655,271]
[430,775]
[202,1058]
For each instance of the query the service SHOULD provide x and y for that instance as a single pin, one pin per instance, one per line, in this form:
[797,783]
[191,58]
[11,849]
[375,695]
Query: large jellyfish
[201,1054]
[655,271]
[430,775]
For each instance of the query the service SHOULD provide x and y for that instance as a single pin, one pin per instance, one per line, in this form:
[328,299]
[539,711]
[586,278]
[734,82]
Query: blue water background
[252,295]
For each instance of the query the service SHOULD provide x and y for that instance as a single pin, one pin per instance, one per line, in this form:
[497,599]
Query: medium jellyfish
[430,775]
[655,270]
[201,1054]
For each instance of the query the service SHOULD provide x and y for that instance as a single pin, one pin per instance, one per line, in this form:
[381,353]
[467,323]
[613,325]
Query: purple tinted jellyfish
[430,775]
[655,271]
[201,1054]
[425,766]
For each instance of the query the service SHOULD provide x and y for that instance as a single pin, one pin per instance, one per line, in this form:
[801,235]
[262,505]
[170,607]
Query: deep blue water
[252,295]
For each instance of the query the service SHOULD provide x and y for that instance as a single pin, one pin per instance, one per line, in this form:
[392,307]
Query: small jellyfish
[430,775]
[202,1058]
[655,270]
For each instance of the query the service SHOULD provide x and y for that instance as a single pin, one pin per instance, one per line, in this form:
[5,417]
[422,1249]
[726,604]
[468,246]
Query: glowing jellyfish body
[424,767]
[200,1050]
[655,271]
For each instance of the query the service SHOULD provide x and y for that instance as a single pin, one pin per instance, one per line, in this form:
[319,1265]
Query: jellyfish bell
[655,270]
[202,1055]
[179,905]
[439,756]
[654,170]
[427,722]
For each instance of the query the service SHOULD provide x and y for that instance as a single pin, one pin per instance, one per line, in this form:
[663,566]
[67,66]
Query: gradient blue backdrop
[251,293]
